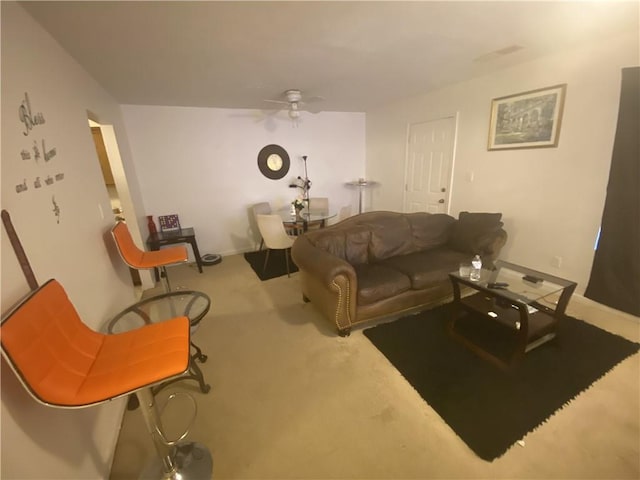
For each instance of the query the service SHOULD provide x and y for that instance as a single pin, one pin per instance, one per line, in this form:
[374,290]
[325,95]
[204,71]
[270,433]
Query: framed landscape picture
[527,120]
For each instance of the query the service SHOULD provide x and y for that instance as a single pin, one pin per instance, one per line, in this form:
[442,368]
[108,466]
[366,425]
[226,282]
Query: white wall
[201,163]
[551,198]
[39,441]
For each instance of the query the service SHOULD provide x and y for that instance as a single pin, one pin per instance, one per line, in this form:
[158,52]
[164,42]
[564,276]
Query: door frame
[116,165]
[456,118]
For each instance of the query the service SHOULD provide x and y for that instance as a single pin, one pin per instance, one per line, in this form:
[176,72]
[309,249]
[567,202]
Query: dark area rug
[276,267]
[490,409]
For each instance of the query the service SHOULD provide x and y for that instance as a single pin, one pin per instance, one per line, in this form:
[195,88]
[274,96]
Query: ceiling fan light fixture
[293,96]
[294,104]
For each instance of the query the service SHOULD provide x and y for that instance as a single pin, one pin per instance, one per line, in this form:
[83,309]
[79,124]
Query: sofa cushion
[471,230]
[350,244]
[356,245]
[427,268]
[390,236]
[430,230]
[377,282]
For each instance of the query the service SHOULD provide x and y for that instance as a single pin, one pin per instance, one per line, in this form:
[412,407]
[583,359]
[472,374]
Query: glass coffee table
[188,303]
[514,309]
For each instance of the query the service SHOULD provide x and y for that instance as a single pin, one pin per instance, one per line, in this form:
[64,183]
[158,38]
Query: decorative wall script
[37,151]
[56,208]
[27,117]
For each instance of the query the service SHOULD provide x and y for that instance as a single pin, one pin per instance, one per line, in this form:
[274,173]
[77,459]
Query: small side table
[184,235]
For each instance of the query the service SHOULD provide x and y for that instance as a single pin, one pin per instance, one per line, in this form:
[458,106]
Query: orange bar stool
[143,260]
[63,363]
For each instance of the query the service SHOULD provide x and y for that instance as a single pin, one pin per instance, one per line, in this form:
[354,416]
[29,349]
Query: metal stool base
[193,461]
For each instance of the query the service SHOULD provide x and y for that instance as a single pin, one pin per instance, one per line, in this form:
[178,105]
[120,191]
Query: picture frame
[169,223]
[527,120]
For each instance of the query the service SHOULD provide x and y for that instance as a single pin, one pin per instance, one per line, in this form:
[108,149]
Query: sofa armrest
[491,243]
[328,281]
[319,263]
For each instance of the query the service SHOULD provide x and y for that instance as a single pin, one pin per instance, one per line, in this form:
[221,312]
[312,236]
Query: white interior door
[429,165]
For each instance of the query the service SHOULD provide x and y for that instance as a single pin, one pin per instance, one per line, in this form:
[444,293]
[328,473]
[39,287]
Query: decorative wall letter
[26,117]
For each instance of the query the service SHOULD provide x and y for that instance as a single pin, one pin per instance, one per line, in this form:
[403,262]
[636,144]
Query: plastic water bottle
[476,266]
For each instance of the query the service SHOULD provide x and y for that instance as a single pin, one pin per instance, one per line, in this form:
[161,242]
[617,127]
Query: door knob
[443,189]
[441,200]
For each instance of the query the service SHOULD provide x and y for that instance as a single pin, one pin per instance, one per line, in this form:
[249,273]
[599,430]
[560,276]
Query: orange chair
[63,363]
[143,260]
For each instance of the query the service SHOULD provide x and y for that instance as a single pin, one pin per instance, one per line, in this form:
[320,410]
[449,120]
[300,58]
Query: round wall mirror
[273,162]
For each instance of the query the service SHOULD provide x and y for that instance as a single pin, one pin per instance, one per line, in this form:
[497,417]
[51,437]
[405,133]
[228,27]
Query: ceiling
[355,55]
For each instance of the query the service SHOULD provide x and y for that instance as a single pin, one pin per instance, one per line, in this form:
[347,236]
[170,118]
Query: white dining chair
[275,237]
[345,212]
[318,204]
[262,208]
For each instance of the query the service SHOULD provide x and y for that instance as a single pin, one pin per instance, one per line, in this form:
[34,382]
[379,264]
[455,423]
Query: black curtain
[615,274]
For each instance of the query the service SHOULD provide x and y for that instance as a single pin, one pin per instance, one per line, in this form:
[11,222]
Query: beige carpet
[290,399]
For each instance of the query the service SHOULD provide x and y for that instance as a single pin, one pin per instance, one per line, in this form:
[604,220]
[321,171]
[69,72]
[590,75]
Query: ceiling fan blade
[310,104]
[314,99]
[258,115]
[282,102]
[312,109]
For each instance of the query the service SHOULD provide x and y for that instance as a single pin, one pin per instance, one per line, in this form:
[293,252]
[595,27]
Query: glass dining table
[304,219]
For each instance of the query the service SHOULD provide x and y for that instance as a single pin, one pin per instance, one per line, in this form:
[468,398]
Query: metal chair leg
[286,259]
[199,355]
[176,460]
[154,427]
[194,373]
[166,279]
[266,259]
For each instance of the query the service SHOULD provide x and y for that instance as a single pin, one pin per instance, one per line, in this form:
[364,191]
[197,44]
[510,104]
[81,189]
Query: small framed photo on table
[169,223]
[527,120]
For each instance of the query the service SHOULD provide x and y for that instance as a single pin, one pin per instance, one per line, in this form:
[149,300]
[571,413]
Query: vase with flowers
[298,204]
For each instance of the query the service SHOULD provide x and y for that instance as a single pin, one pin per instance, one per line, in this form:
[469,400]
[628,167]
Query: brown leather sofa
[380,264]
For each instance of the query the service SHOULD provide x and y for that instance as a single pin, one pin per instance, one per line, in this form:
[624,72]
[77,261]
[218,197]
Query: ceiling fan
[295,104]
